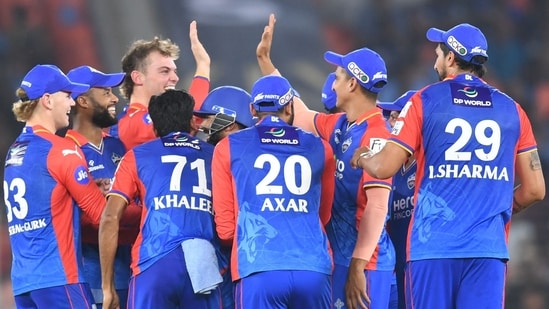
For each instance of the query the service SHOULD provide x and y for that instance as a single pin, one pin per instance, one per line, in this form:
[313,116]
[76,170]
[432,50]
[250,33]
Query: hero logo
[357,72]
[81,175]
[456,45]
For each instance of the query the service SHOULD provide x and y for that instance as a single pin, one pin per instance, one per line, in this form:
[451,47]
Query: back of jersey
[277,171]
[470,135]
[174,184]
[40,212]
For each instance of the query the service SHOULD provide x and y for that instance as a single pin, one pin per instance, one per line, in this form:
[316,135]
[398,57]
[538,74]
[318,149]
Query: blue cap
[329,97]
[228,100]
[95,78]
[465,40]
[271,93]
[399,103]
[47,78]
[364,64]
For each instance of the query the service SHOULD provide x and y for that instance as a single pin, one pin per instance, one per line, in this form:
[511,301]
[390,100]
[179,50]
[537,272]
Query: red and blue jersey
[102,163]
[401,208]
[135,125]
[273,189]
[465,135]
[370,129]
[45,178]
[171,177]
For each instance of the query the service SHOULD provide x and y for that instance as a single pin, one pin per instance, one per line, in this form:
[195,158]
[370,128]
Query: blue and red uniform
[102,163]
[273,189]
[46,185]
[401,207]
[370,129]
[135,125]
[171,178]
[465,135]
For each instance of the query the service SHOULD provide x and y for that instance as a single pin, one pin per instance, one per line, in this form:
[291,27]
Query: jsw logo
[357,72]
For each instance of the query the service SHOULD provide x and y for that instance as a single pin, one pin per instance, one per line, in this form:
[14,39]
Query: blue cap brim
[76,89]
[334,58]
[389,106]
[203,114]
[435,35]
[109,80]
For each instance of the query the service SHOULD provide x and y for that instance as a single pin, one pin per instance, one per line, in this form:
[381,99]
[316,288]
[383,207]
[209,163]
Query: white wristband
[367,154]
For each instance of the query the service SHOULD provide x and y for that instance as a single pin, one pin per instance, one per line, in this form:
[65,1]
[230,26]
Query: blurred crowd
[515,29]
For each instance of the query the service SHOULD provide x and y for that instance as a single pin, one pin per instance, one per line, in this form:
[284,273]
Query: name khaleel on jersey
[175,201]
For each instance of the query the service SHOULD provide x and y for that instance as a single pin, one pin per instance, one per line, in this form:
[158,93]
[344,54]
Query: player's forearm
[371,225]
[108,242]
[532,182]
[265,64]
[524,198]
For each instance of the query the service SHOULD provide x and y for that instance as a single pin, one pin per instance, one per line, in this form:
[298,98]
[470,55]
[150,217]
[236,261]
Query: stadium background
[70,33]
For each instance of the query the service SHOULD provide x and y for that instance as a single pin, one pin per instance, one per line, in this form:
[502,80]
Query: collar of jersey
[137,106]
[369,114]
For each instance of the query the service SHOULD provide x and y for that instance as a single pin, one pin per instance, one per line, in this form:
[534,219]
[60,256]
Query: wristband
[367,154]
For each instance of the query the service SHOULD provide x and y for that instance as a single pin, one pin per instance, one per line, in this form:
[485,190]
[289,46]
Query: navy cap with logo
[329,97]
[48,78]
[465,40]
[364,64]
[95,78]
[271,93]
[399,103]
[228,100]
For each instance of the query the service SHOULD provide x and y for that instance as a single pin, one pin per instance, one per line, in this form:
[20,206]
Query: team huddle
[236,199]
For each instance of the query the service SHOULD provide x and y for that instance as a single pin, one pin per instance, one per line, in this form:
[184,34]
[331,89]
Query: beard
[102,118]
[441,74]
[216,137]
[292,116]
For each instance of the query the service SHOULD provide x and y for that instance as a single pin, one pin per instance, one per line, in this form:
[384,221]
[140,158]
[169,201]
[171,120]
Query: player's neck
[91,132]
[141,98]
[356,108]
[45,121]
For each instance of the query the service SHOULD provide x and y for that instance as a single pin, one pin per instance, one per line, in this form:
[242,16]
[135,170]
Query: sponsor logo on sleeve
[147,118]
[16,153]
[397,127]
[81,175]
[376,144]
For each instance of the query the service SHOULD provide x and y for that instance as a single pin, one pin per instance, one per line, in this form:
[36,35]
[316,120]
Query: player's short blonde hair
[136,57]
[23,108]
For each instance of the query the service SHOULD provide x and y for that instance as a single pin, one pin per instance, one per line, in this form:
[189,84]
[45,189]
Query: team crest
[411,181]
[346,144]
[116,158]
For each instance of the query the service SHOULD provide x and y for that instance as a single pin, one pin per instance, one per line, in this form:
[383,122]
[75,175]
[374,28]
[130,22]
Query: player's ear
[253,111]
[137,77]
[194,126]
[81,101]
